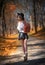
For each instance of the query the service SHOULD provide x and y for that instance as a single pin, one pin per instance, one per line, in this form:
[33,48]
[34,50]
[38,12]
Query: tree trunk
[35,24]
[3,22]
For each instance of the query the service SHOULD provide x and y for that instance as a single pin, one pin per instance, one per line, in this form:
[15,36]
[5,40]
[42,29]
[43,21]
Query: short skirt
[23,36]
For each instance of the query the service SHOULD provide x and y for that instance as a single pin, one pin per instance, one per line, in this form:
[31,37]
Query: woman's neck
[21,20]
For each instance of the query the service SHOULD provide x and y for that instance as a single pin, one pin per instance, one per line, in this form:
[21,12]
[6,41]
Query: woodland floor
[11,52]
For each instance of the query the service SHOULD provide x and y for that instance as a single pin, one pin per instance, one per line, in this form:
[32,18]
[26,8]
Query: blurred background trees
[34,11]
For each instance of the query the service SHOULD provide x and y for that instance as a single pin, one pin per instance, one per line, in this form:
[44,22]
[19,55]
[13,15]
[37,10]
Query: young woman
[23,36]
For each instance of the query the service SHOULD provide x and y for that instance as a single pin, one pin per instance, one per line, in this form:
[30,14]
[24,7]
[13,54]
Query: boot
[25,57]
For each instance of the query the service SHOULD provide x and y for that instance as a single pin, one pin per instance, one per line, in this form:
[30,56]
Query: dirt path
[36,51]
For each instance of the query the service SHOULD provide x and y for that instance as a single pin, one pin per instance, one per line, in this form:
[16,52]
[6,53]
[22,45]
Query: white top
[20,26]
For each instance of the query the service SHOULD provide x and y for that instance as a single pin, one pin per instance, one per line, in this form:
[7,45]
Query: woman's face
[19,18]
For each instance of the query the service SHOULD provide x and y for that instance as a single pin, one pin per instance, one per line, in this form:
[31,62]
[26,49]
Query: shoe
[25,58]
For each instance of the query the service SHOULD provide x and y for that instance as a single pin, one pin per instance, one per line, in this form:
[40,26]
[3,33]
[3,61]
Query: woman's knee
[25,41]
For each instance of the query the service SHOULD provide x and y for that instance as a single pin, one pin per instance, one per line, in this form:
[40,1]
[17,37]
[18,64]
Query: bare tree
[35,24]
[3,20]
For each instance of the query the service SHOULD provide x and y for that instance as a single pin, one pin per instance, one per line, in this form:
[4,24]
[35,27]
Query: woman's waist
[23,32]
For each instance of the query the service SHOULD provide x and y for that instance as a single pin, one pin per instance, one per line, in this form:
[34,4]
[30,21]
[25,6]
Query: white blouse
[20,26]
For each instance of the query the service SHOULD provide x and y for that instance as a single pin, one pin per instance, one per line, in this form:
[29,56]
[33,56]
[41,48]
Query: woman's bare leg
[25,46]
[25,49]
[22,41]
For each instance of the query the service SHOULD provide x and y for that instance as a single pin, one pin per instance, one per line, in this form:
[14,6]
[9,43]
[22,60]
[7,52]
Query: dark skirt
[23,36]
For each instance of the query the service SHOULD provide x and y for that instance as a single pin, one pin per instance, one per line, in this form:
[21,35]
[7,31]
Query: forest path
[36,53]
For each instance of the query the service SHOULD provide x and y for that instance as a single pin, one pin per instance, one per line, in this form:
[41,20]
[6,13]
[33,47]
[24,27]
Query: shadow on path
[29,62]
